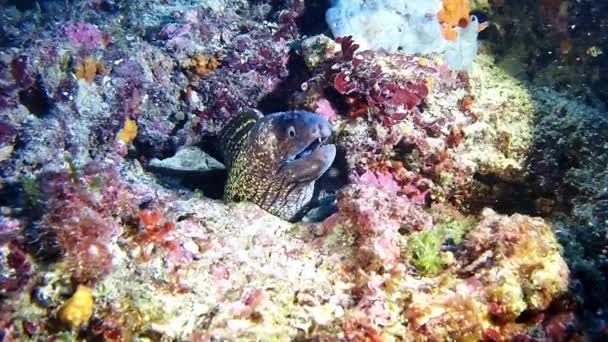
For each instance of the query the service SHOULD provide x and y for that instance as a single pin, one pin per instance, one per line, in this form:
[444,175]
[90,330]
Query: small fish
[274,160]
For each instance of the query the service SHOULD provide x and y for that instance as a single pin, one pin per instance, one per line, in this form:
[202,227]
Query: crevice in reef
[35,99]
[210,183]
[509,197]
[24,5]
[309,23]
[278,99]
[323,202]
[502,196]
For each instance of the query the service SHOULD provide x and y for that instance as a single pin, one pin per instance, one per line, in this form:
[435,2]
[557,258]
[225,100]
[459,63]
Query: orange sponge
[204,65]
[89,68]
[455,13]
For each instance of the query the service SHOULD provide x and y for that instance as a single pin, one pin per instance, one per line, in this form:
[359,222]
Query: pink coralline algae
[371,315]
[384,181]
[376,217]
[173,30]
[81,213]
[249,303]
[398,115]
[394,178]
[15,269]
[325,109]
[19,71]
[83,35]
[9,228]
[157,232]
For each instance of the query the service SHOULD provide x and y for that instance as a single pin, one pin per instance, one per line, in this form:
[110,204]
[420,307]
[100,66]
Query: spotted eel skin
[274,160]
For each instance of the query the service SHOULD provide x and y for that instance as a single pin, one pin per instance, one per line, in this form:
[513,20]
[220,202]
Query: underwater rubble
[462,205]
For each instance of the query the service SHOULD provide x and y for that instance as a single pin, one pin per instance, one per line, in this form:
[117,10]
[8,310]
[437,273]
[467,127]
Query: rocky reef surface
[466,206]
[555,43]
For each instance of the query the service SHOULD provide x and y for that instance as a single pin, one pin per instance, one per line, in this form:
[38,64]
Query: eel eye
[291,131]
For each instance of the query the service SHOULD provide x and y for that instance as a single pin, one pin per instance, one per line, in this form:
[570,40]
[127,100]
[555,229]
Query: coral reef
[188,270]
[465,205]
[507,265]
[81,208]
[82,35]
[378,217]
[392,103]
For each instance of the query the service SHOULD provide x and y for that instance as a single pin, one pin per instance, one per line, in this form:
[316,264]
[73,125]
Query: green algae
[424,248]
[33,195]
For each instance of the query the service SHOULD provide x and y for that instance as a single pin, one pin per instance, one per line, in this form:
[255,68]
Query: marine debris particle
[274,160]
[79,308]
[128,132]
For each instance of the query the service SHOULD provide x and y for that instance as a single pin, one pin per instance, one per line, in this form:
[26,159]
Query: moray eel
[274,160]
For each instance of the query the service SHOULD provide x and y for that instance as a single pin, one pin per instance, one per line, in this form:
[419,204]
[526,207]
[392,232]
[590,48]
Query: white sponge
[459,54]
[409,26]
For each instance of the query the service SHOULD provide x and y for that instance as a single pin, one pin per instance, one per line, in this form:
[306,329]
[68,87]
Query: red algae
[20,73]
[348,47]
[83,35]
[81,210]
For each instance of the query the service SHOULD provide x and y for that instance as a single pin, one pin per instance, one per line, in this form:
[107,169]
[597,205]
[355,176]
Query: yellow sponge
[79,308]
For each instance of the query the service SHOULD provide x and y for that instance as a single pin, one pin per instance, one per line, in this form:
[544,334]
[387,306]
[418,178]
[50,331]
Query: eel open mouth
[313,146]
[312,161]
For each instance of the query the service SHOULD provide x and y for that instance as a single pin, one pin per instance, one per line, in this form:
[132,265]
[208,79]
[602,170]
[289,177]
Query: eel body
[274,160]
